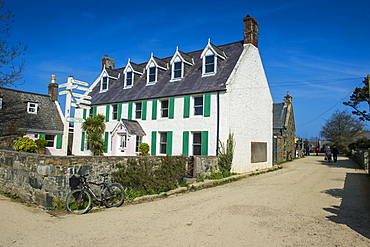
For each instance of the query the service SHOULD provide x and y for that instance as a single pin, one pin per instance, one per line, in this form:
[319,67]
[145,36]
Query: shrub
[25,144]
[225,155]
[41,143]
[144,148]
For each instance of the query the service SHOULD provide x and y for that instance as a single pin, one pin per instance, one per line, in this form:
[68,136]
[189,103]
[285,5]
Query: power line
[328,109]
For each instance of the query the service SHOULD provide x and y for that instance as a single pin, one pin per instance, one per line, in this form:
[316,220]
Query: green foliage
[200,179]
[359,97]
[94,127]
[25,144]
[144,148]
[12,196]
[226,154]
[216,175]
[362,143]
[41,143]
[142,176]
[57,204]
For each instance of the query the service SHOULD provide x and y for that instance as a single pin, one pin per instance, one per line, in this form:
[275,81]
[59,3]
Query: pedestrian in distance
[328,154]
[317,149]
[335,154]
[308,149]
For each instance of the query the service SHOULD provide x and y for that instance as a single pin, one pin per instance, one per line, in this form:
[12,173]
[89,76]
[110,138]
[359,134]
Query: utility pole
[80,102]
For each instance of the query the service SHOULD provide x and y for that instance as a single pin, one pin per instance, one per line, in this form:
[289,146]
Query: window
[32,108]
[164,108]
[104,83]
[50,139]
[197,143]
[209,64]
[129,78]
[177,70]
[138,110]
[123,142]
[198,105]
[114,112]
[139,140]
[163,143]
[152,74]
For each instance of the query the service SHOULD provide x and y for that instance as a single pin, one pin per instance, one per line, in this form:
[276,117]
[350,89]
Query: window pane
[164,108]
[163,143]
[104,83]
[128,79]
[114,112]
[138,110]
[50,139]
[152,72]
[210,64]
[197,143]
[138,142]
[177,70]
[198,105]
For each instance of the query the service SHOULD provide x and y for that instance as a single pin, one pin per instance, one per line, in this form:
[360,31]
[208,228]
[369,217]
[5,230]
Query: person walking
[328,154]
[335,153]
[308,149]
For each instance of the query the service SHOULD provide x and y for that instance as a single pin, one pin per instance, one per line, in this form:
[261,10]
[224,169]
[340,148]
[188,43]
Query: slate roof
[133,127]
[280,113]
[14,109]
[192,83]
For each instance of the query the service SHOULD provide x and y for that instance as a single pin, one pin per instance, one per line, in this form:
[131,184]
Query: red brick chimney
[250,31]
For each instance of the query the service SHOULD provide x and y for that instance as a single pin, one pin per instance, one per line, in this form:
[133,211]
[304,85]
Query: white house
[185,104]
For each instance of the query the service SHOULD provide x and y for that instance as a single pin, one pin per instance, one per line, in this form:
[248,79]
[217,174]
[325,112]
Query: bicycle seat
[104,174]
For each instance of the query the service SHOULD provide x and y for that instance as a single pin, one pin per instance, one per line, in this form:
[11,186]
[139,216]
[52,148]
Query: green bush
[144,148]
[25,144]
[145,177]
[225,155]
[41,143]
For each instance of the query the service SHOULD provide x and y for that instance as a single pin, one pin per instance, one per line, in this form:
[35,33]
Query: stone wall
[40,178]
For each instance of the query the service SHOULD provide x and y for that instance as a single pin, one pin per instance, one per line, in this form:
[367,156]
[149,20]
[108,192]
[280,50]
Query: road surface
[309,202]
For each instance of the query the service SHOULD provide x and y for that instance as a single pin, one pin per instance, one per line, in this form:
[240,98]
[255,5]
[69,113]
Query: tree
[360,95]
[9,72]
[94,127]
[342,129]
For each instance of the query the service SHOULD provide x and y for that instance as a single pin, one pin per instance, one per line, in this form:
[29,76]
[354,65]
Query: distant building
[38,115]
[284,130]
[185,104]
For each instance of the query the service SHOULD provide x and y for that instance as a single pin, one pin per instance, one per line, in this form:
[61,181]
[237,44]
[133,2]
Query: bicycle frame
[85,186]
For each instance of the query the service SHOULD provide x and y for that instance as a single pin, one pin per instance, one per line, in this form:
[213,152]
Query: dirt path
[308,203]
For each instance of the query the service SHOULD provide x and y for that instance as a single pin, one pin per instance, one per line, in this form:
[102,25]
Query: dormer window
[104,83]
[177,70]
[32,107]
[209,64]
[129,79]
[152,77]
[210,55]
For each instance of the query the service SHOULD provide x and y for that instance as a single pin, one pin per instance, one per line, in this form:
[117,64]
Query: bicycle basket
[74,181]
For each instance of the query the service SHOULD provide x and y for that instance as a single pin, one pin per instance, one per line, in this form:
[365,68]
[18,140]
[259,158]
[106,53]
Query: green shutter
[59,141]
[172,108]
[205,143]
[84,113]
[143,110]
[83,141]
[119,113]
[107,109]
[106,139]
[42,136]
[154,109]
[129,114]
[185,143]
[207,105]
[186,106]
[169,143]
[95,110]
[154,142]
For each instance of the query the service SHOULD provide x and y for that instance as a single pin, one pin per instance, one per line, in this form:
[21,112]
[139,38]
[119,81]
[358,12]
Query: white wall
[250,110]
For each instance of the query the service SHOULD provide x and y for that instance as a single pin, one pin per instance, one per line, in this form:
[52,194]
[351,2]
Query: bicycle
[79,200]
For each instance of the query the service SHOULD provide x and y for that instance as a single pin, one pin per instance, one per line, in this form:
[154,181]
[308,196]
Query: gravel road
[309,202]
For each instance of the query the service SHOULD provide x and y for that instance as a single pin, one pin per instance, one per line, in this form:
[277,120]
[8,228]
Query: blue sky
[317,51]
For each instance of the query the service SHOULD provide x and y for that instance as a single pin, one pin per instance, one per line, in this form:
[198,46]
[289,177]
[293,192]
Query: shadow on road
[354,210]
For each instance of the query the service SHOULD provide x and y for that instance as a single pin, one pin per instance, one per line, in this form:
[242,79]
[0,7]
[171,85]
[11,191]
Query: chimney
[288,99]
[53,89]
[107,62]
[250,31]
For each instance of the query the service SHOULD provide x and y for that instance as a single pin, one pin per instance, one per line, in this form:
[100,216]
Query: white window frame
[122,141]
[114,114]
[165,109]
[32,107]
[51,141]
[102,83]
[126,78]
[163,143]
[138,110]
[196,144]
[198,106]
[138,141]
[155,75]
[177,60]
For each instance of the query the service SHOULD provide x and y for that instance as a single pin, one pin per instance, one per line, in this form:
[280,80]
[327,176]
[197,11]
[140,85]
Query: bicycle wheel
[78,201]
[113,195]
